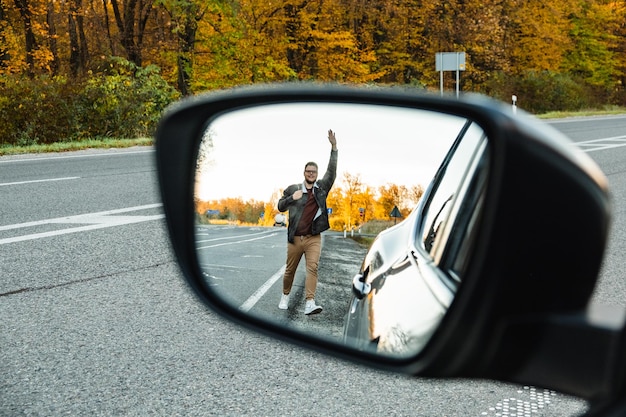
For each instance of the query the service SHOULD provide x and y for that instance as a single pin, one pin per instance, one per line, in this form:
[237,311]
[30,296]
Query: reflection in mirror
[253,180]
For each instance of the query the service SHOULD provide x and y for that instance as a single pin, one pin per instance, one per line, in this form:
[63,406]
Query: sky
[259,151]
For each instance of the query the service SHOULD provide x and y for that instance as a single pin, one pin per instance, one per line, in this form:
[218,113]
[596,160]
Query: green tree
[593,33]
[185,15]
[536,33]
[131,17]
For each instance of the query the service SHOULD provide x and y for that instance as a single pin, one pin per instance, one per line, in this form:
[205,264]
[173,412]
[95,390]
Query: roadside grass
[606,111]
[370,230]
[106,143]
[364,241]
[374,227]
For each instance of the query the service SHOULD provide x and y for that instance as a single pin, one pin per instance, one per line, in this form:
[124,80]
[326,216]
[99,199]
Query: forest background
[79,70]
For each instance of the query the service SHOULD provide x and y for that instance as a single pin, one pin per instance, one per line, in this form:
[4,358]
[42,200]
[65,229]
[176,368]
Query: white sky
[259,151]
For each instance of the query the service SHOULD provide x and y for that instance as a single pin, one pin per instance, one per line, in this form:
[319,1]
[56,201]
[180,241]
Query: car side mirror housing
[510,254]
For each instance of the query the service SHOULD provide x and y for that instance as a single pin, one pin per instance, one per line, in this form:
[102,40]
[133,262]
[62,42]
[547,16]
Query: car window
[452,208]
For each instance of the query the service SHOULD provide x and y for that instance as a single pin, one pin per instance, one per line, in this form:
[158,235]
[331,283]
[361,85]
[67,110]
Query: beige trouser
[310,247]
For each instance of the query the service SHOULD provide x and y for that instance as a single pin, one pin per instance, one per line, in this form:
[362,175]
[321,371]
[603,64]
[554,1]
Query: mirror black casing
[541,237]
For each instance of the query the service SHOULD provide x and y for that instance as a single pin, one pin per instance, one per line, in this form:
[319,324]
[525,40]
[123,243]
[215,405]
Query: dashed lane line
[37,181]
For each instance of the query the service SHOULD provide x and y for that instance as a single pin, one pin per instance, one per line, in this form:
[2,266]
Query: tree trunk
[294,55]
[75,64]
[108,27]
[5,57]
[79,53]
[52,39]
[82,39]
[29,36]
[187,39]
[131,23]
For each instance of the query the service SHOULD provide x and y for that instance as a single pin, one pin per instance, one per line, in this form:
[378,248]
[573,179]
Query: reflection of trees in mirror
[205,155]
[354,205]
[231,210]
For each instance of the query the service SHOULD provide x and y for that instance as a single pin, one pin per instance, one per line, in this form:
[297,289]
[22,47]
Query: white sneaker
[284,302]
[311,308]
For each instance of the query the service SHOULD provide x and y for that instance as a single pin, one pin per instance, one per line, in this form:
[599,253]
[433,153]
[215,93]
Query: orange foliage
[218,44]
[352,204]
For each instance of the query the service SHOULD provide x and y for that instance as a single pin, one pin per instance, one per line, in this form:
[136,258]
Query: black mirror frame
[484,313]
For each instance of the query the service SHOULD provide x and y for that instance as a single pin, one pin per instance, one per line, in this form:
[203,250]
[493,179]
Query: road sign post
[449,61]
[395,213]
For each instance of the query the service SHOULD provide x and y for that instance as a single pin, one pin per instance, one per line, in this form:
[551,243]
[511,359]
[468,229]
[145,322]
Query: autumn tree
[322,48]
[30,41]
[562,55]
[334,201]
[353,186]
[79,52]
[618,9]
[390,196]
[295,39]
[271,209]
[593,34]
[184,15]
[5,54]
[536,33]
[131,17]
[234,210]
[238,44]
[479,32]
[238,210]
[414,195]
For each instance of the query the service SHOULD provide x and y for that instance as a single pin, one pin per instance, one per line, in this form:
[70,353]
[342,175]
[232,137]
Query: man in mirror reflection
[308,218]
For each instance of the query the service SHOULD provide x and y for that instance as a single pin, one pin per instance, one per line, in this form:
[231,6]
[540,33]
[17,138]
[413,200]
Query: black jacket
[321,188]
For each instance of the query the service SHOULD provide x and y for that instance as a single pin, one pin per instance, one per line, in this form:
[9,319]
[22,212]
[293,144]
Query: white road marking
[254,298]
[35,181]
[583,119]
[263,289]
[234,237]
[235,243]
[92,221]
[601,144]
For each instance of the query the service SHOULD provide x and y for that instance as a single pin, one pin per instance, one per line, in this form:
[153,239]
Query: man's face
[310,174]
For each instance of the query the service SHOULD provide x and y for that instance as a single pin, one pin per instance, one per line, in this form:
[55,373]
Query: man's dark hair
[308,164]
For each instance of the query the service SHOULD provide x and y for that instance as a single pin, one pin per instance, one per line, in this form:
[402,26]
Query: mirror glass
[253,160]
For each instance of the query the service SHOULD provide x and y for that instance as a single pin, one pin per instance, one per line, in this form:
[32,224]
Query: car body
[411,273]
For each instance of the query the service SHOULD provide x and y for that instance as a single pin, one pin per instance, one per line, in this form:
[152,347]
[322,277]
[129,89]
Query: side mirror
[510,229]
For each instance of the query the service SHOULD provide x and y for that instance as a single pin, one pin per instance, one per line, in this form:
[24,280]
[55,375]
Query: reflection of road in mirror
[245,264]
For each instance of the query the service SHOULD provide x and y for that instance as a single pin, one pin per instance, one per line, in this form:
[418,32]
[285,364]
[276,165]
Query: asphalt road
[246,264]
[604,139]
[96,319]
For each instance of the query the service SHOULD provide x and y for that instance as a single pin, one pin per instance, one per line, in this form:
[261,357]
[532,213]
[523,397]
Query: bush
[124,100]
[36,111]
[544,91]
[120,100]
